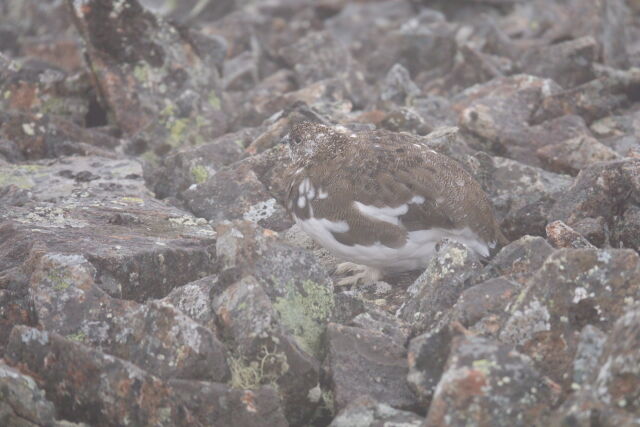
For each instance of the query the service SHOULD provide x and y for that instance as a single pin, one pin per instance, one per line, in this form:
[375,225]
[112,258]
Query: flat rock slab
[364,362]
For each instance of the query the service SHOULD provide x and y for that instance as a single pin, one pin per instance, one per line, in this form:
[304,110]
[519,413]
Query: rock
[585,364]
[522,195]
[66,371]
[264,353]
[448,274]
[618,382]
[297,285]
[183,168]
[626,231]
[22,402]
[560,235]
[237,193]
[320,56]
[194,300]
[618,132]
[599,191]
[584,409]
[518,260]
[367,412]
[365,362]
[191,11]
[398,88]
[575,154]
[572,289]
[230,407]
[40,136]
[427,356]
[479,377]
[140,247]
[565,63]
[379,321]
[149,76]
[155,336]
[42,88]
[499,111]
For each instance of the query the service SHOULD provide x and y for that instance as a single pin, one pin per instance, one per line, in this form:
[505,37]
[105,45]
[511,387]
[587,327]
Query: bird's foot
[362,274]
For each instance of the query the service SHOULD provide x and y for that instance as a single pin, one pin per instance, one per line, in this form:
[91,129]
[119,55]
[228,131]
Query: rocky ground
[149,274]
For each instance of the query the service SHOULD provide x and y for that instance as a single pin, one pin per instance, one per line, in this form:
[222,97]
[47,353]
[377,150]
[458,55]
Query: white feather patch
[385,214]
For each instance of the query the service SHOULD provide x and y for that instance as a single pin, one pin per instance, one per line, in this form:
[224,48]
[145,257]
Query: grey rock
[22,402]
[573,155]
[367,412]
[560,235]
[364,362]
[448,274]
[519,259]
[586,362]
[479,377]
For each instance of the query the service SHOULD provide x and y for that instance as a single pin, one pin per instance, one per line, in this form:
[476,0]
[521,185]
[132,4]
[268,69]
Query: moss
[248,375]
[305,313]
[199,174]
[214,101]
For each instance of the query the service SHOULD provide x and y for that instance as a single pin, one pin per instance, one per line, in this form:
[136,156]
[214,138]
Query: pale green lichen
[251,374]
[484,366]
[141,72]
[214,101]
[59,280]
[177,130]
[199,174]
[77,336]
[306,313]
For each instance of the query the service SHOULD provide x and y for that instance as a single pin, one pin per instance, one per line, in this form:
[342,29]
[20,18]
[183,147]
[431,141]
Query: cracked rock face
[151,275]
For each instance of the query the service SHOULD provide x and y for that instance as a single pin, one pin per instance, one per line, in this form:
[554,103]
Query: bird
[381,200]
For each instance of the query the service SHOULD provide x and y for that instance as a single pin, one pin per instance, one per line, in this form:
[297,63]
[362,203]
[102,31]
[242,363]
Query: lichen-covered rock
[40,136]
[588,352]
[364,362]
[264,352]
[22,402]
[618,381]
[599,191]
[220,404]
[560,235]
[155,336]
[518,260]
[367,412]
[90,386]
[150,78]
[572,289]
[194,300]
[237,193]
[42,88]
[187,12]
[626,232]
[427,355]
[480,376]
[448,274]
[583,409]
[573,155]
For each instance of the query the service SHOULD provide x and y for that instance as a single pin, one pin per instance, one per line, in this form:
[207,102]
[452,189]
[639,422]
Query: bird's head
[305,139]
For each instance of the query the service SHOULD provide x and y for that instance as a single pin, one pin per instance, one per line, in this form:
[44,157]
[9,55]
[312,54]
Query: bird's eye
[296,140]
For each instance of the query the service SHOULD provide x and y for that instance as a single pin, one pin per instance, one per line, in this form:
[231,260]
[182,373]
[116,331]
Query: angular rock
[237,193]
[22,402]
[588,353]
[40,136]
[194,300]
[367,412]
[156,336]
[618,382]
[583,409]
[219,403]
[519,259]
[364,362]
[149,76]
[626,231]
[572,289]
[599,191]
[181,169]
[263,352]
[575,154]
[427,356]
[188,12]
[480,376]
[560,235]
[398,88]
[67,372]
[448,274]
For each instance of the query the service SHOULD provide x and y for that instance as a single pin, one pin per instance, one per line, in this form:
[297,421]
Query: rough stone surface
[479,376]
[366,412]
[143,169]
[365,362]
